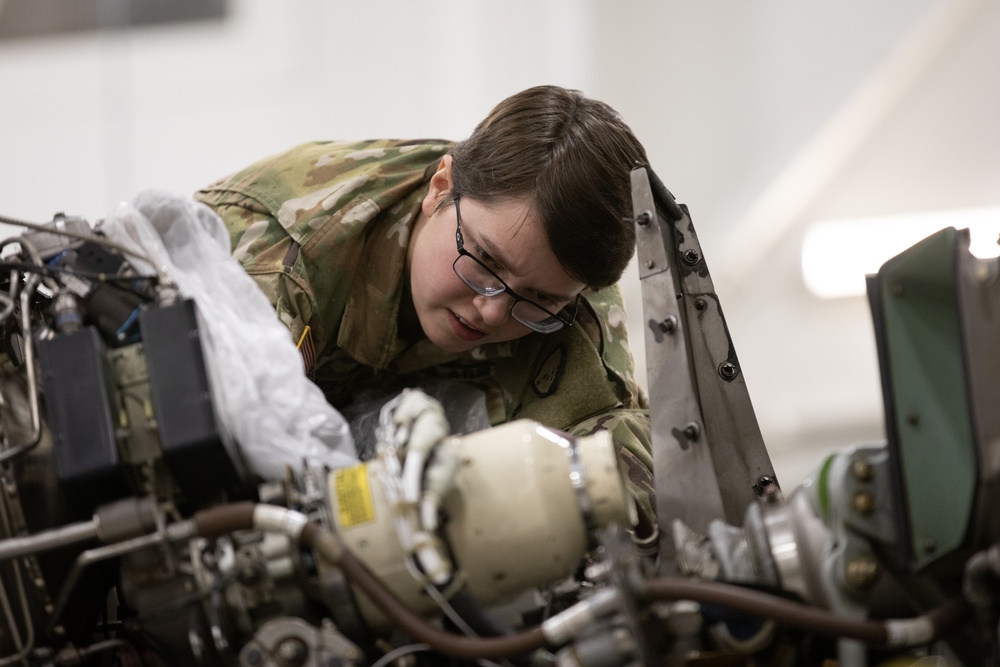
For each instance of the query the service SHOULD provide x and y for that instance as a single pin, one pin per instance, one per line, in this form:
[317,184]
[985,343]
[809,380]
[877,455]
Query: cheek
[513,330]
[432,279]
[437,278]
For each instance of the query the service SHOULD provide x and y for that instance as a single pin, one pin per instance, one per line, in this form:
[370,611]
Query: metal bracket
[709,459]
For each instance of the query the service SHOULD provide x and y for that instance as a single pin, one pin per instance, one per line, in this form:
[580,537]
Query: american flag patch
[307,350]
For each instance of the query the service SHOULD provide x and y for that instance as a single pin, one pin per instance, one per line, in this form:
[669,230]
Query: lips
[462,330]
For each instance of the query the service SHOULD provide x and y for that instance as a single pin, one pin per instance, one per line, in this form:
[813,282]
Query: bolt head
[862,573]
[864,502]
[862,470]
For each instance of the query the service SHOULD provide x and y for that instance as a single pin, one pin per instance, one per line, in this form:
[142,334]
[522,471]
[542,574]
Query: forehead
[502,222]
[514,234]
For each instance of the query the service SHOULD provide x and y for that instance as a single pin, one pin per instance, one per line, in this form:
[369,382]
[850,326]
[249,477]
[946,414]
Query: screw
[728,371]
[669,325]
[692,431]
[644,218]
[691,257]
[650,263]
[699,304]
[863,470]
[292,652]
[929,545]
[763,484]
[864,502]
[861,573]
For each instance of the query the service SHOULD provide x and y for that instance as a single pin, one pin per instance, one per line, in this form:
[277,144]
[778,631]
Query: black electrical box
[78,401]
[190,434]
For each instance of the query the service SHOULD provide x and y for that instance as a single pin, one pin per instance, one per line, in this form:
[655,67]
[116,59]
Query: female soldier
[491,262]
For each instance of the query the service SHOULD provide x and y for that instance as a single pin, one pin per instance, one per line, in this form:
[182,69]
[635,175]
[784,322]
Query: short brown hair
[571,157]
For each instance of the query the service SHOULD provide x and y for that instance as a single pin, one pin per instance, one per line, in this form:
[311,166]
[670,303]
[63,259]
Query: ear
[440,186]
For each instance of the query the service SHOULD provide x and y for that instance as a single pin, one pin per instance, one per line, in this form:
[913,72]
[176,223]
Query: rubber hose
[944,619]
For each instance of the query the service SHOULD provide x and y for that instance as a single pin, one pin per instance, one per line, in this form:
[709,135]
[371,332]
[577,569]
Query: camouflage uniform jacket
[323,229]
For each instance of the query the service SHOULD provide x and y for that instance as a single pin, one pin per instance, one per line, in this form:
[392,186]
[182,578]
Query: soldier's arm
[630,431]
[267,254]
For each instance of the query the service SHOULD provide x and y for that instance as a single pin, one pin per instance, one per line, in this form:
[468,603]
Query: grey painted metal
[709,458]
[979,309]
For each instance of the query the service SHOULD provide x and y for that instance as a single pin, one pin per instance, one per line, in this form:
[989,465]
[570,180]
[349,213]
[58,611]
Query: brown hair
[570,157]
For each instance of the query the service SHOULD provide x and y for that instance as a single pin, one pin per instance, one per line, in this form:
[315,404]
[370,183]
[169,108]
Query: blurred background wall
[765,117]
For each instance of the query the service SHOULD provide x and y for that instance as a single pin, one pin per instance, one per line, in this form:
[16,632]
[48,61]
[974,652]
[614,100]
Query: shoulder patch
[549,372]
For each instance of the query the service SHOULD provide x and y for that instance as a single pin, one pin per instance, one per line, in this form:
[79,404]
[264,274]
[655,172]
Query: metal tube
[95,555]
[29,365]
[23,647]
[49,539]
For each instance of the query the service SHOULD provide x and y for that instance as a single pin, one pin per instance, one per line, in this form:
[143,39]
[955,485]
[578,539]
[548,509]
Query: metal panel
[709,457]
[927,403]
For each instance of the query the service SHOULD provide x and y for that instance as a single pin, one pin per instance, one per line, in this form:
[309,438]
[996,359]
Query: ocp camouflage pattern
[323,229]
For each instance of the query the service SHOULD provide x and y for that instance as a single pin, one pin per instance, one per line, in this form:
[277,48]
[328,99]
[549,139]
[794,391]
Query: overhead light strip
[838,254]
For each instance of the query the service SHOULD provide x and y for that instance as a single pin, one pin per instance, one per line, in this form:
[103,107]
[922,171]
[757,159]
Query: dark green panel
[934,448]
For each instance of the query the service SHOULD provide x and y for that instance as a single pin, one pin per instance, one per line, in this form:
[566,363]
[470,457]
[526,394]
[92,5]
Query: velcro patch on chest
[549,373]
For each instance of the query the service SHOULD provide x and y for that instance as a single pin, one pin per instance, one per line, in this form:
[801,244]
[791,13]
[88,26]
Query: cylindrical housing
[525,497]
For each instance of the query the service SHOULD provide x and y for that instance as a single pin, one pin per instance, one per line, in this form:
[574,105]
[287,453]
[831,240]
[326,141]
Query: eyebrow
[495,251]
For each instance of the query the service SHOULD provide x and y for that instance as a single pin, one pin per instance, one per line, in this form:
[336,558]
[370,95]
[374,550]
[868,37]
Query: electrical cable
[8,306]
[10,451]
[399,652]
[223,519]
[47,228]
[891,632]
[445,642]
[33,255]
[23,646]
[46,270]
[168,289]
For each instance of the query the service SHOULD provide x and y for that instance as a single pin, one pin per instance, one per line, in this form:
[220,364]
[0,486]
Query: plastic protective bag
[464,409]
[274,412]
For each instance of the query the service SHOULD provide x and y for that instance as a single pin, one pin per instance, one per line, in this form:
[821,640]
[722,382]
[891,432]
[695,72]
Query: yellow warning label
[354,498]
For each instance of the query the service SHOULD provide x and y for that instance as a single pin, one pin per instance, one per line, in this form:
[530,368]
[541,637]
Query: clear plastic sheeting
[464,409]
[277,416]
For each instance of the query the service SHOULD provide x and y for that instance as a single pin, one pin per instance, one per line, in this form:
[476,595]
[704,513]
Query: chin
[450,344]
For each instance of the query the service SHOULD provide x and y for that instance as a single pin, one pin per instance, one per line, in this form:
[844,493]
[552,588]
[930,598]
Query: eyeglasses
[482,280]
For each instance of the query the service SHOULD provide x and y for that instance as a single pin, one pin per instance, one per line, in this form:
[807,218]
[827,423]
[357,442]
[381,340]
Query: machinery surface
[137,529]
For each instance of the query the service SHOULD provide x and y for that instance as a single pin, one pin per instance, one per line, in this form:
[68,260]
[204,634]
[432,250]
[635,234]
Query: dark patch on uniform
[292,256]
[476,371]
[550,372]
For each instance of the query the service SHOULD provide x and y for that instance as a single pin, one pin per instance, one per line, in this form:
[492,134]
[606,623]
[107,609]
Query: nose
[494,310]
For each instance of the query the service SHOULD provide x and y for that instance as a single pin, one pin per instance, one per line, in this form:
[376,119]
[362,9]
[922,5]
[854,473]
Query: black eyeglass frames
[483,280]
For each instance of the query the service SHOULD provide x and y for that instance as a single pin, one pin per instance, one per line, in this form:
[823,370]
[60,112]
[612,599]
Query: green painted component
[823,487]
[937,456]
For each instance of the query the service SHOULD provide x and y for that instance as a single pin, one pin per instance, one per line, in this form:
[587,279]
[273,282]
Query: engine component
[560,490]
[120,543]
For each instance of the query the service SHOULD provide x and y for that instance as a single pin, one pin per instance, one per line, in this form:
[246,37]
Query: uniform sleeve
[629,421]
[631,433]
[267,254]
